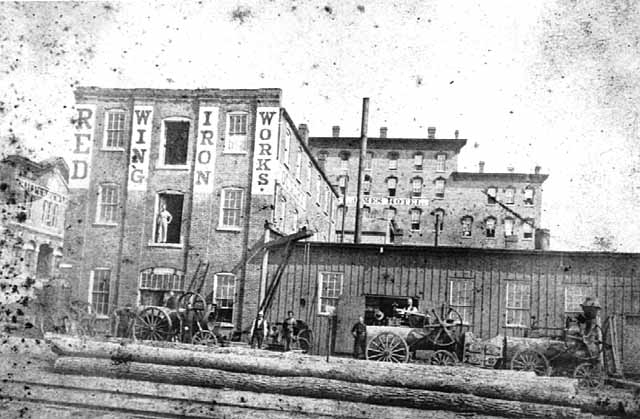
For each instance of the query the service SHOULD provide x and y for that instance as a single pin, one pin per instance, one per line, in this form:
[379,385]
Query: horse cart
[437,338]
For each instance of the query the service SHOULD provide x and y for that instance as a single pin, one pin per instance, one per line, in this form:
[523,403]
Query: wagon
[302,336]
[437,337]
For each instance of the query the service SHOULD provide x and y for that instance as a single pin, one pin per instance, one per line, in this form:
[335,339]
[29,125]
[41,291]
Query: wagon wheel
[204,337]
[448,328]
[306,335]
[302,344]
[191,300]
[530,360]
[589,375]
[388,347]
[442,357]
[153,323]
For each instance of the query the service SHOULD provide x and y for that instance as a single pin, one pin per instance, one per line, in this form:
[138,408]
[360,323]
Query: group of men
[260,330]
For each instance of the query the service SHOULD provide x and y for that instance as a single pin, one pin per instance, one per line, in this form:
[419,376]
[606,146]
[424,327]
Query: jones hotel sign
[389,201]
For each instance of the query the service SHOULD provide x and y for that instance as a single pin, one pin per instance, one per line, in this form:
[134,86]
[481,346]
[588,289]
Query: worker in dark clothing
[288,328]
[359,332]
[259,330]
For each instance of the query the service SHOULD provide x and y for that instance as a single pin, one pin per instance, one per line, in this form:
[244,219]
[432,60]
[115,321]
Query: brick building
[162,180]
[412,184]
[33,196]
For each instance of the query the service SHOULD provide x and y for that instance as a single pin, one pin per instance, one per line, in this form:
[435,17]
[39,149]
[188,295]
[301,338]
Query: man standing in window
[288,328]
[164,219]
[259,330]
[359,332]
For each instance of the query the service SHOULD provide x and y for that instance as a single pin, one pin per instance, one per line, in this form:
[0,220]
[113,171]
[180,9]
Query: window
[157,283]
[108,204]
[418,160]
[224,292]
[322,158]
[461,298]
[509,195]
[287,146]
[342,184]
[309,177]
[49,213]
[176,141]
[366,185]
[467,223]
[439,188]
[168,223]
[527,229]
[438,216]
[416,187]
[231,209]
[344,161]
[416,213]
[491,195]
[368,161]
[574,295]
[391,186]
[29,253]
[490,227]
[329,290]
[99,298]
[366,211]
[528,196]
[389,213]
[114,131]
[518,296]
[441,162]
[508,227]
[236,141]
[393,161]
[298,170]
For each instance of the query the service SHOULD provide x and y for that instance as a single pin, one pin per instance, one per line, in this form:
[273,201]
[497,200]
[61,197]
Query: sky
[551,83]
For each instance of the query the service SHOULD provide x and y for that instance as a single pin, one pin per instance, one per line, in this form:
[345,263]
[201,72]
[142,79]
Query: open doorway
[380,310]
[45,256]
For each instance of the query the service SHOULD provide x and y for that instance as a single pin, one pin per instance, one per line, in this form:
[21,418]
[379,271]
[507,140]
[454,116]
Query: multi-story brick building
[410,185]
[33,196]
[162,180]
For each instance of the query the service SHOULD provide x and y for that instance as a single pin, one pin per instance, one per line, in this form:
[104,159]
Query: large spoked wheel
[153,323]
[447,329]
[388,347]
[191,301]
[442,357]
[589,375]
[530,360]
[304,340]
[204,337]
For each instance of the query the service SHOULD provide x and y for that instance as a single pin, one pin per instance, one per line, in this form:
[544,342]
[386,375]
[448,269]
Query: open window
[168,222]
[467,225]
[380,310]
[491,195]
[490,227]
[175,142]
[366,185]
[527,229]
[392,184]
[528,195]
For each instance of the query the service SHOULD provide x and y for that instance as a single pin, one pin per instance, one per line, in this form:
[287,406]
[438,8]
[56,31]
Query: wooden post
[363,155]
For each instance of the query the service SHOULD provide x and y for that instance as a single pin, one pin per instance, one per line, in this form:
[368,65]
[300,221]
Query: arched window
[438,215]
[490,227]
[467,224]
[509,195]
[439,184]
[416,214]
[392,183]
[416,187]
[168,218]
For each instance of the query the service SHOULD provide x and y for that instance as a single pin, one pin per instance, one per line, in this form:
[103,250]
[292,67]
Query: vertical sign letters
[205,149]
[82,144]
[140,144]
[265,152]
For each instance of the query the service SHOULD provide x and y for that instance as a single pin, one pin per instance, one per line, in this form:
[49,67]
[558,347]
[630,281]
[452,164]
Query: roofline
[458,143]
[82,92]
[477,176]
[305,146]
[469,250]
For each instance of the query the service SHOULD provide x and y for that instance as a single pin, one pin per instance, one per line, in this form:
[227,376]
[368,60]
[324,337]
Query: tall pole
[344,211]
[435,243]
[363,155]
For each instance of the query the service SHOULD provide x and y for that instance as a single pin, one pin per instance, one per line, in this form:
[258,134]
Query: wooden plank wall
[426,272]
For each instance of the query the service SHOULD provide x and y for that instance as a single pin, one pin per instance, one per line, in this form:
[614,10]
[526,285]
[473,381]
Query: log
[312,387]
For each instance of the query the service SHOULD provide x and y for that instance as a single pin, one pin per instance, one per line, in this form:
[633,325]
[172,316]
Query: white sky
[539,82]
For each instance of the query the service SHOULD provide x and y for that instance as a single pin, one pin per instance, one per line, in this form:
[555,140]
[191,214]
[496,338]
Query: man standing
[359,332]
[288,329]
[259,330]
[164,219]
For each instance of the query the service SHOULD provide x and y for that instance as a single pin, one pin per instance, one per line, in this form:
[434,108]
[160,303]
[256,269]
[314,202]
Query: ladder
[199,277]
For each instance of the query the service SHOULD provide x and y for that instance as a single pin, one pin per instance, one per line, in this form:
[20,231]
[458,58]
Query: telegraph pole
[361,161]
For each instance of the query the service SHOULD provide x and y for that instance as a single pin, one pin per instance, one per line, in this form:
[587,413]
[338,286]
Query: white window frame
[441,163]
[533,196]
[521,305]
[527,227]
[339,276]
[492,198]
[368,161]
[464,308]
[163,143]
[154,232]
[107,130]
[344,162]
[176,282]
[418,161]
[393,161]
[510,196]
[92,280]
[495,223]
[416,187]
[439,193]
[513,225]
[223,196]
[233,140]
[114,205]
[392,180]
[573,299]
[463,230]
[216,289]
[415,219]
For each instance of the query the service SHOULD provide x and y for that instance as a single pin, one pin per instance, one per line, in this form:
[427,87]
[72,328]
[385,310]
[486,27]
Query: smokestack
[537,170]
[304,133]
[457,134]
[431,133]
[383,132]
[481,167]
[335,131]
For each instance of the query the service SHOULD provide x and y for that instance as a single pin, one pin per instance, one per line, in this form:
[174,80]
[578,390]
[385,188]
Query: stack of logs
[458,389]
